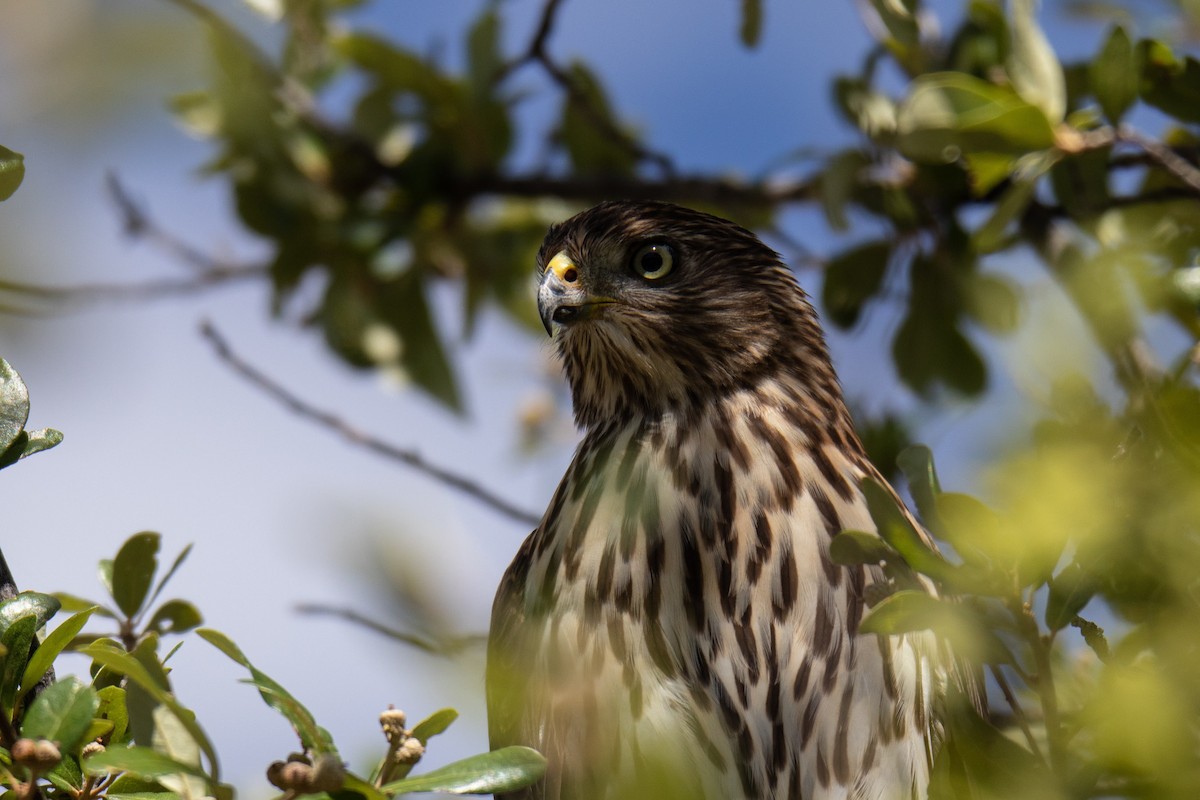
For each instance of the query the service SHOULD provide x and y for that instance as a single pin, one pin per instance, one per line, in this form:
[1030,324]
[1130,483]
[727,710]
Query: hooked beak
[561,297]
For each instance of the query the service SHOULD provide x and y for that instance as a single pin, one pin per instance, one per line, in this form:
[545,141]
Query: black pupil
[652,261]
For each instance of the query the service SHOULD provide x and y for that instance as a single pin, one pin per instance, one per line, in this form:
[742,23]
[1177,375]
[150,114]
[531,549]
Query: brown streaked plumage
[675,628]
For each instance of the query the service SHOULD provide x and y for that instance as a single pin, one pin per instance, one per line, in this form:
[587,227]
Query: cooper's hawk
[675,627]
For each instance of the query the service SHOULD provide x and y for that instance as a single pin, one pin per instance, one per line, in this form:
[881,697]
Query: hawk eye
[654,261]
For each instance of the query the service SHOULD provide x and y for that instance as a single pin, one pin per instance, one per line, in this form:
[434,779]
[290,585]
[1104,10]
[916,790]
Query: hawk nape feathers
[675,627]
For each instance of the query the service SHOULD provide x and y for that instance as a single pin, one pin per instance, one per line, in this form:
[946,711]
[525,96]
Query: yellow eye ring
[654,261]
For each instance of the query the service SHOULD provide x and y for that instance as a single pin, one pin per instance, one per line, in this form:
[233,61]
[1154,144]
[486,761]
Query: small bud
[410,751]
[38,755]
[22,750]
[294,776]
[328,774]
[393,721]
[91,748]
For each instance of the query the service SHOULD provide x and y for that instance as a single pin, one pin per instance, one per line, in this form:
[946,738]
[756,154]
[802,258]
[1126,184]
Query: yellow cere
[563,267]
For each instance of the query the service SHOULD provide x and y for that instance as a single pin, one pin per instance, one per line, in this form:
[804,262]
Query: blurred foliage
[124,733]
[976,156]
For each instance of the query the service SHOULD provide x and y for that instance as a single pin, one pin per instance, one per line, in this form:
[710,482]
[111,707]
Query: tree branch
[329,420]
[450,646]
[1164,157]
[538,53]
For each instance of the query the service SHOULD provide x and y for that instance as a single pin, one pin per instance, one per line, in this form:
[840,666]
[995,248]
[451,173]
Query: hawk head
[658,308]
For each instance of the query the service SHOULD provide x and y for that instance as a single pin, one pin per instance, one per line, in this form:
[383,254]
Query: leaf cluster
[123,733]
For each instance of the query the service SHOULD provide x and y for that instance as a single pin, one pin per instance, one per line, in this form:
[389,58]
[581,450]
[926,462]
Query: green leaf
[994,302]
[910,611]
[172,740]
[42,606]
[107,655]
[969,526]
[851,548]
[39,440]
[902,612]
[133,571]
[484,59]
[75,603]
[928,348]
[170,573]
[175,616]
[852,278]
[1070,591]
[112,708]
[504,770]
[589,130]
[898,531]
[62,713]
[1115,74]
[916,462]
[1032,65]
[388,323]
[750,31]
[14,403]
[988,170]
[435,723]
[869,110]
[1168,84]
[15,641]
[12,172]
[949,114]
[1012,204]
[143,762]
[838,182]
[52,645]
[900,21]
[312,736]
[67,776]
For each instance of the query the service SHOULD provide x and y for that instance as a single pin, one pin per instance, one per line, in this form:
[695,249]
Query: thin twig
[329,420]
[438,647]
[537,52]
[139,225]
[1164,156]
[147,290]
[1018,712]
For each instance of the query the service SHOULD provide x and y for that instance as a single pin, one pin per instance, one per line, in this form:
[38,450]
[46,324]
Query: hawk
[675,627]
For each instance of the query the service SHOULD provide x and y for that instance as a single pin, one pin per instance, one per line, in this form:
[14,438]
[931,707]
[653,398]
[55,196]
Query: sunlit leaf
[141,761]
[947,114]
[41,606]
[62,713]
[1032,65]
[312,736]
[116,659]
[52,645]
[435,723]
[504,770]
[14,405]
